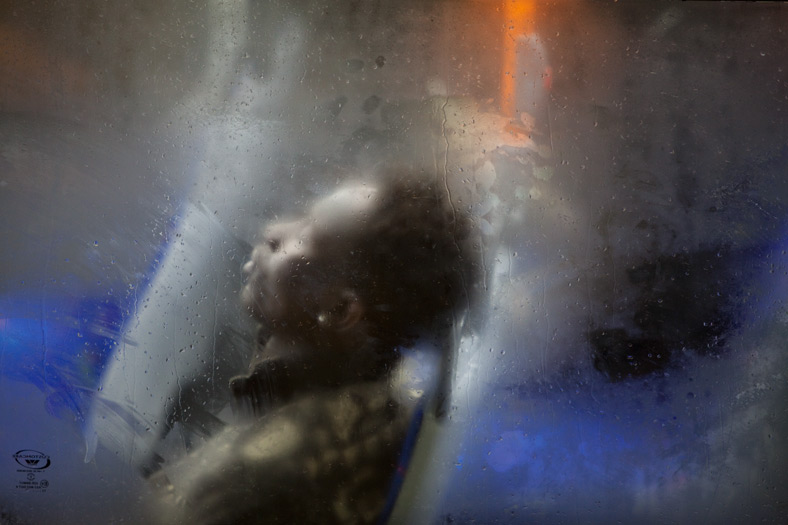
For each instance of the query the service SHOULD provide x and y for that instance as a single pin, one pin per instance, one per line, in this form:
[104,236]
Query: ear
[344,312]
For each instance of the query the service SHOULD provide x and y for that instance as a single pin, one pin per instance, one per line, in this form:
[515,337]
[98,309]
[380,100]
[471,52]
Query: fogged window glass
[407,262]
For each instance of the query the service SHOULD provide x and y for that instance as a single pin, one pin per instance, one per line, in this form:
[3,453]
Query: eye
[274,244]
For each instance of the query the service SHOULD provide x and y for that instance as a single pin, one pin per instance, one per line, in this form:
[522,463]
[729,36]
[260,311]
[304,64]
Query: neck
[332,359]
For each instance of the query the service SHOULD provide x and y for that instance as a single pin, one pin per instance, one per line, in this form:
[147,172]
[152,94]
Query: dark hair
[412,264]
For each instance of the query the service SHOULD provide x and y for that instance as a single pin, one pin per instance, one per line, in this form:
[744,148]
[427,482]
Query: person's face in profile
[287,270]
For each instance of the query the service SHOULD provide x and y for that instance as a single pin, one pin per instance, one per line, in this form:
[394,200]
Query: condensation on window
[412,262]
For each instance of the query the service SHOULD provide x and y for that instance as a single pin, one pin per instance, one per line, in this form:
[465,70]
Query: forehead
[347,209]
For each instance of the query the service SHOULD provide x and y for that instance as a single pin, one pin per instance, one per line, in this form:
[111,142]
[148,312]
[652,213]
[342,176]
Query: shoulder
[325,458]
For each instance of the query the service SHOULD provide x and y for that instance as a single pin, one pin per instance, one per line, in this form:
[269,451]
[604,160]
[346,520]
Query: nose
[271,241]
[250,265]
[268,244]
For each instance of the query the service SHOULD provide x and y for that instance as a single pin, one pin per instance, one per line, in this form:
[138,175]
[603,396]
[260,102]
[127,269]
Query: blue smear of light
[61,350]
[538,448]
[553,451]
[595,451]
[61,344]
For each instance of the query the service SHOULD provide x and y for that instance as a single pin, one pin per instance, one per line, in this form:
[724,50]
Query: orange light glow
[518,20]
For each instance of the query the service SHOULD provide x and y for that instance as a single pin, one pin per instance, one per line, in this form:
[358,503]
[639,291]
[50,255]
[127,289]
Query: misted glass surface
[483,261]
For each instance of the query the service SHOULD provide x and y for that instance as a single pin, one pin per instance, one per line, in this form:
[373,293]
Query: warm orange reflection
[518,20]
[35,75]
